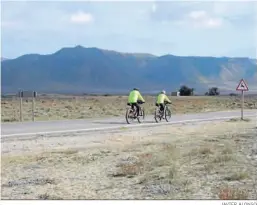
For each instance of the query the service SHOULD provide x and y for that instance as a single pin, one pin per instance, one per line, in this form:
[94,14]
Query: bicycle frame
[134,112]
[161,114]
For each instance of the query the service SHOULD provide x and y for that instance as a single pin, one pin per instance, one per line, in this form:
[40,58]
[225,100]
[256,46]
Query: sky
[184,28]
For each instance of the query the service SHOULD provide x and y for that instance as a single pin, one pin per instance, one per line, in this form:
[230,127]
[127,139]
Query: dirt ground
[57,108]
[215,160]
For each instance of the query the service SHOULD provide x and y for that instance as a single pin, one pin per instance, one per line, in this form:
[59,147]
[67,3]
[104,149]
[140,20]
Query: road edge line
[119,127]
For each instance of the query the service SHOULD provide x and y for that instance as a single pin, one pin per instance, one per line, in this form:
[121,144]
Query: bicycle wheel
[157,115]
[129,115]
[141,115]
[167,114]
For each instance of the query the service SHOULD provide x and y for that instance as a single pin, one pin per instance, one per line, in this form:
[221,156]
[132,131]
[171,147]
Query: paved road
[65,126]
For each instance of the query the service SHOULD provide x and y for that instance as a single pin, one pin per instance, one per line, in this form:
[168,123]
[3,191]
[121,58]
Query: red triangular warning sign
[242,86]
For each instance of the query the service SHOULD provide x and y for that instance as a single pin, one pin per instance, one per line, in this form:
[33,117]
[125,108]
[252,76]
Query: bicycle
[131,113]
[165,114]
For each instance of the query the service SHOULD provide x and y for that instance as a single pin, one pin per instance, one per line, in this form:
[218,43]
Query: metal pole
[33,109]
[21,109]
[242,105]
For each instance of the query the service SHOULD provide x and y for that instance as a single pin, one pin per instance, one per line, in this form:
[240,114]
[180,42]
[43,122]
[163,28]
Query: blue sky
[170,27]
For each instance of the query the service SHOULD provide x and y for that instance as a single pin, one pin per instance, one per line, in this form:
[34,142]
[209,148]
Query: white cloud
[81,17]
[202,19]
[154,8]
[213,22]
[197,15]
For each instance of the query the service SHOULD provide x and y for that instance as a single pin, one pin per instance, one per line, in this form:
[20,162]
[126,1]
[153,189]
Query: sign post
[242,86]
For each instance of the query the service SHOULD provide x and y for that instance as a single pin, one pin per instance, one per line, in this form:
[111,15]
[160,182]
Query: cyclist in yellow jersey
[161,98]
[135,98]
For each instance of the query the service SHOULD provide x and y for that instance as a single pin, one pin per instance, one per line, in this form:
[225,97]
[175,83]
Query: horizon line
[128,53]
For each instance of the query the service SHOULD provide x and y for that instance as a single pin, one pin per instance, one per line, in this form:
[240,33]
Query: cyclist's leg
[133,106]
[138,108]
[158,105]
[162,106]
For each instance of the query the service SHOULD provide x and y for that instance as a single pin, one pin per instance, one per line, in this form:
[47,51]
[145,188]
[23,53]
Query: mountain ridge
[81,69]
[3,59]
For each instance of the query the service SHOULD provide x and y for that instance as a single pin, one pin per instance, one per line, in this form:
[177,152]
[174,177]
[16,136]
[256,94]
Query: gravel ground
[211,160]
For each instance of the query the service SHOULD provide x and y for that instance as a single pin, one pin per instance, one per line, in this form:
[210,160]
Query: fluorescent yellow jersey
[134,96]
[161,98]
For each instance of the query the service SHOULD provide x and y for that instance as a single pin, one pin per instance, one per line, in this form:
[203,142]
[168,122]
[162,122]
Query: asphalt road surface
[66,126]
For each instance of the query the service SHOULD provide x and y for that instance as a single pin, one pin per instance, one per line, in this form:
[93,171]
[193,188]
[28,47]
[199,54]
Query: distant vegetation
[213,91]
[186,91]
[233,94]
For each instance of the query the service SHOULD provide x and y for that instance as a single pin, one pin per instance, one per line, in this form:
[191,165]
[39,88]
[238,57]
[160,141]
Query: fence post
[21,117]
[33,109]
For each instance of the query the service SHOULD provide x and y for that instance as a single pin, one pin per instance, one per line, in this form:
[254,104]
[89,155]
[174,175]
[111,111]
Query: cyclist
[161,98]
[135,98]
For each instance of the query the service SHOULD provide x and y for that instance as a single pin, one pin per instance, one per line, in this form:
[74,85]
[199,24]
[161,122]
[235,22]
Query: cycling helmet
[163,91]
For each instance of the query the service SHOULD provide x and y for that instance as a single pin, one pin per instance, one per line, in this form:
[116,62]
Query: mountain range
[79,70]
[3,59]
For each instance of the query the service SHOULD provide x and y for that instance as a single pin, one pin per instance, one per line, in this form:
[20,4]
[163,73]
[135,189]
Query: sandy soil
[216,160]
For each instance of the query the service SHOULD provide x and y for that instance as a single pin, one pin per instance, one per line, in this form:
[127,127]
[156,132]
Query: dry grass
[56,108]
[233,194]
[223,158]
[146,161]
[237,176]
[197,161]
[47,196]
